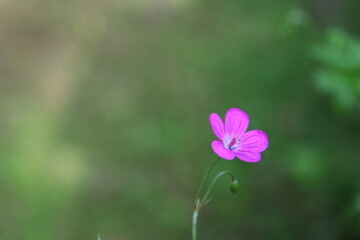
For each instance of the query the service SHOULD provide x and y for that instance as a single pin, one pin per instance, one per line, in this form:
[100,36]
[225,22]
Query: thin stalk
[203,181]
[204,200]
[197,201]
[194,224]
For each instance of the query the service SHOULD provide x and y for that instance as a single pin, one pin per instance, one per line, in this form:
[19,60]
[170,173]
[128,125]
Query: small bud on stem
[234,186]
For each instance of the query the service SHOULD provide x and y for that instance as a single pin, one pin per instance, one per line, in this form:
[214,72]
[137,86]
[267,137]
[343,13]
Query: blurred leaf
[339,75]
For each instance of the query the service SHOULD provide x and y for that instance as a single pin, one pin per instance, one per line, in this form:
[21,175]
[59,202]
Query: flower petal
[236,122]
[248,156]
[254,140]
[221,151]
[217,125]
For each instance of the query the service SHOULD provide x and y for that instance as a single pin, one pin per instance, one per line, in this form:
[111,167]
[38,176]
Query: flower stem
[206,195]
[194,224]
[203,181]
[197,204]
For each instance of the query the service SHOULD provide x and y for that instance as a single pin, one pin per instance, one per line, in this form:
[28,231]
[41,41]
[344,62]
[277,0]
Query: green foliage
[339,75]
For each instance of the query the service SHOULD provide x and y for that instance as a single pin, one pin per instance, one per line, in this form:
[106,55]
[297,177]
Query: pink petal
[217,125]
[248,156]
[254,140]
[221,151]
[236,122]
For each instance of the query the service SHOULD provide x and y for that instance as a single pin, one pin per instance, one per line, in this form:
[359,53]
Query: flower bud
[234,186]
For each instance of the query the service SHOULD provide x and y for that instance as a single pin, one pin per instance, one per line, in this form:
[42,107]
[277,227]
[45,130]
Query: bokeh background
[104,111]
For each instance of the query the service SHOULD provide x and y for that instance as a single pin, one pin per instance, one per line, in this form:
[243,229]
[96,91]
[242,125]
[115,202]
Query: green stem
[203,181]
[197,205]
[204,200]
[194,224]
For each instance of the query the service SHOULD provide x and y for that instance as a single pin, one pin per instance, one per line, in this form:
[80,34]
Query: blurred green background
[104,111]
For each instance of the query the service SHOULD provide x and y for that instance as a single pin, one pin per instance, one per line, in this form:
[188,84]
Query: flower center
[233,144]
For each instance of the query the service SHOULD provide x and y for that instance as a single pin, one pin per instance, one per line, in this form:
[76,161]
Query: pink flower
[234,141]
